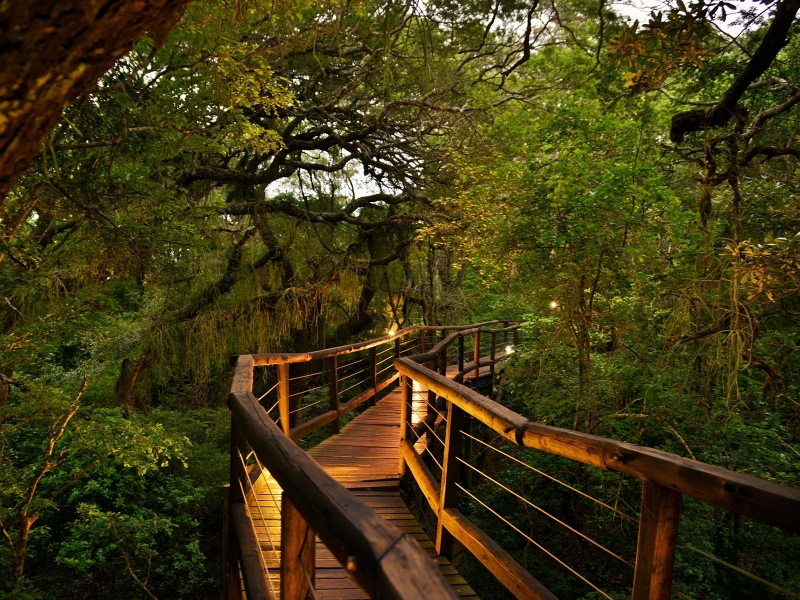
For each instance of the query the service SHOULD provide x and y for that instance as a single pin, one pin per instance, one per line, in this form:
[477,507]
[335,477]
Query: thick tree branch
[54,51]
[774,40]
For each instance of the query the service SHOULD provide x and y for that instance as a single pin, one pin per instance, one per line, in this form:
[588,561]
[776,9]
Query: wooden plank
[401,561]
[499,562]
[255,582]
[297,554]
[658,534]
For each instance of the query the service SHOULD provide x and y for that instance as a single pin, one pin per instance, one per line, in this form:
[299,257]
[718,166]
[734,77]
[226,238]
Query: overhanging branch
[717,116]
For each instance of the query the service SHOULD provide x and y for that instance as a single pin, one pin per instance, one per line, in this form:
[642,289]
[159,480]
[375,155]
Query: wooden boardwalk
[363,457]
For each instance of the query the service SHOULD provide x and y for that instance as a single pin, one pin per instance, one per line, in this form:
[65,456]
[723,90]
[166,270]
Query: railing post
[466,472]
[505,333]
[476,353]
[333,390]
[450,476]
[460,353]
[233,584]
[297,554]
[431,414]
[406,414]
[283,397]
[397,352]
[658,533]
[373,356]
[491,357]
[422,340]
[227,542]
[442,369]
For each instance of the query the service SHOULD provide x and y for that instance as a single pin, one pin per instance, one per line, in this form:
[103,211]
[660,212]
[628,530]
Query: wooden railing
[666,477]
[307,391]
[357,373]
[384,562]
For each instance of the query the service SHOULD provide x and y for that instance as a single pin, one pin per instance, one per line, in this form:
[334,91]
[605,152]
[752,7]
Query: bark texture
[53,50]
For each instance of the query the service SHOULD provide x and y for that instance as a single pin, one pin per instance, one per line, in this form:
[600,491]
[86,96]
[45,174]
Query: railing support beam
[333,389]
[476,353]
[297,554]
[450,476]
[284,408]
[658,533]
[406,405]
[373,357]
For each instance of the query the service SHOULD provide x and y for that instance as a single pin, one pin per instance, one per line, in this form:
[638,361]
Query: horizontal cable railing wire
[299,377]
[534,542]
[307,391]
[547,514]
[740,571]
[554,479]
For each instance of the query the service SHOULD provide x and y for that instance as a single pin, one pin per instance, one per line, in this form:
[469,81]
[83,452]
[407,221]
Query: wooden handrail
[434,352]
[665,478]
[261,360]
[328,356]
[749,496]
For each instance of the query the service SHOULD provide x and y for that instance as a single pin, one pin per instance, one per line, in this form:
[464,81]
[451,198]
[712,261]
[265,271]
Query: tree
[45,454]
[53,52]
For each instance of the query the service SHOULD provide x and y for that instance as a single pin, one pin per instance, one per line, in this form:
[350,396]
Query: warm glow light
[509,349]
[554,305]
[392,331]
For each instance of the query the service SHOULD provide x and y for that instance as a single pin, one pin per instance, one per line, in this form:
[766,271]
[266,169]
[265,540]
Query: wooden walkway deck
[363,457]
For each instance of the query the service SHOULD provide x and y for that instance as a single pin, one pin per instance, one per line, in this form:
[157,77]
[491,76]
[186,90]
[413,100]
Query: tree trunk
[21,548]
[54,50]
[130,370]
[5,387]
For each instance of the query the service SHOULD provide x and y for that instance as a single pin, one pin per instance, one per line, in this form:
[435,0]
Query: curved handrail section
[275,358]
[332,370]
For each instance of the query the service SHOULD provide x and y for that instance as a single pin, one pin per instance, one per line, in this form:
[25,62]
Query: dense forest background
[288,176]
